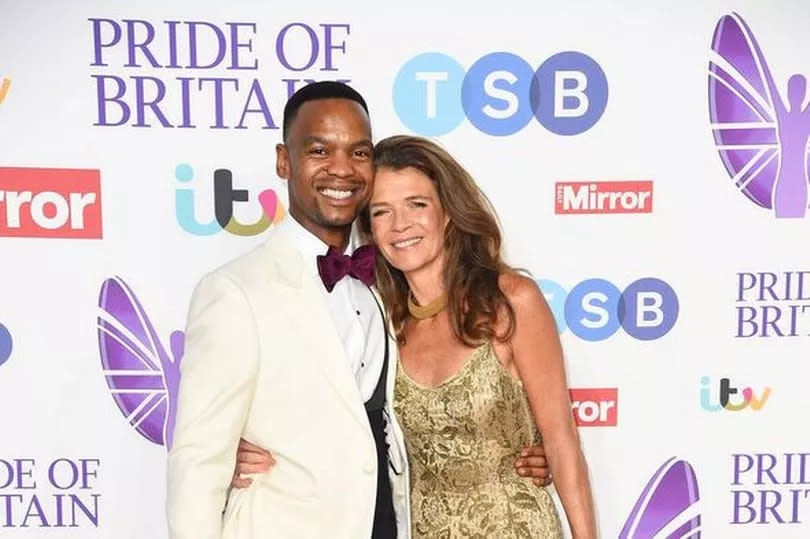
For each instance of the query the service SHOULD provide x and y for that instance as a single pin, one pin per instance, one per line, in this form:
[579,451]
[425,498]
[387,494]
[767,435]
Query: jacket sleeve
[218,374]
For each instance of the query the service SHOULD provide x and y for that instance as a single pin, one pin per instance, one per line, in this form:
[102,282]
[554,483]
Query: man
[287,348]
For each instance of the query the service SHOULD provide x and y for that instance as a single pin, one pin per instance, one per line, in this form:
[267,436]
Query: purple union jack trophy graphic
[668,506]
[762,139]
[142,377]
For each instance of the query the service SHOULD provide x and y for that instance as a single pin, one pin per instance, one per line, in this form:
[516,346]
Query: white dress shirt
[353,308]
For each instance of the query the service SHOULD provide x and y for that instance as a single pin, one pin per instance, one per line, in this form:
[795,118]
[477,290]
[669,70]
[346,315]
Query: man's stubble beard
[335,223]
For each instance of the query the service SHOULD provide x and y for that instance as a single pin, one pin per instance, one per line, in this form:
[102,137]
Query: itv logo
[5,84]
[225,195]
[728,397]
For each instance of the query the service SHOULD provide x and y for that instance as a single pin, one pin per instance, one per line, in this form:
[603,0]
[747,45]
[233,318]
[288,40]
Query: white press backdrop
[57,414]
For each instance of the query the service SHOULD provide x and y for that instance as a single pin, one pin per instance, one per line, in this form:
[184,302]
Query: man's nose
[340,165]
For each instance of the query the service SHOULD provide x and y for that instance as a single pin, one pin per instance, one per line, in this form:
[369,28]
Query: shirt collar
[310,245]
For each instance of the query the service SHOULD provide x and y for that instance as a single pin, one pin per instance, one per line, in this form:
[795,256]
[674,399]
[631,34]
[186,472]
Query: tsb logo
[50,203]
[500,93]
[595,309]
[6,344]
[595,407]
[224,197]
[603,197]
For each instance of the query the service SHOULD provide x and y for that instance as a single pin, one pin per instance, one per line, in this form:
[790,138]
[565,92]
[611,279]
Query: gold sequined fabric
[463,437]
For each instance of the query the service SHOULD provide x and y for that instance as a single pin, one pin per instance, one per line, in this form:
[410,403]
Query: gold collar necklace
[420,312]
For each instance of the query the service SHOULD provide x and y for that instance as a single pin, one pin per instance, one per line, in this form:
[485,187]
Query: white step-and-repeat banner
[648,160]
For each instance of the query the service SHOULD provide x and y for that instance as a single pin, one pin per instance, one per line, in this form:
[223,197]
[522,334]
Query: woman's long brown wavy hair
[472,243]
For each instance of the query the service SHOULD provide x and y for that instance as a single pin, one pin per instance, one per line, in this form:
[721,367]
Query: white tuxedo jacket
[263,361]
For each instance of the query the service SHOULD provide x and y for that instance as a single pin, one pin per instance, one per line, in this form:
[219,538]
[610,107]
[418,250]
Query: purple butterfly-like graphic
[667,507]
[142,377]
[762,140]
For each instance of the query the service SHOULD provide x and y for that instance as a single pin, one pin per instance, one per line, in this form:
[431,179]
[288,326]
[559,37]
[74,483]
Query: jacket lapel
[397,452]
[322,340]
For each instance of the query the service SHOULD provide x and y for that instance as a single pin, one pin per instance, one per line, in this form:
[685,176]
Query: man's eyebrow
[313,139]
[316,139]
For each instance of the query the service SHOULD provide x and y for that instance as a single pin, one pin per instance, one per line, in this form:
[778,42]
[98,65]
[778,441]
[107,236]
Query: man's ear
[282,161]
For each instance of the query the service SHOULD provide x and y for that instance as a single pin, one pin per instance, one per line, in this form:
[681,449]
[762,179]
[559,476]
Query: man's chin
[338,219]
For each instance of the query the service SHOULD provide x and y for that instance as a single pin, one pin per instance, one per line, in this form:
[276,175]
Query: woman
[480,364]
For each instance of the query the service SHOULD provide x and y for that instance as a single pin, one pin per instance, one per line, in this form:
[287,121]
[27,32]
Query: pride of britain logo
[762,138]
[143,378]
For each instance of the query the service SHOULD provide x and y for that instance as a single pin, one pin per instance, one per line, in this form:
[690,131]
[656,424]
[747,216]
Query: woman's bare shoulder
[521,291]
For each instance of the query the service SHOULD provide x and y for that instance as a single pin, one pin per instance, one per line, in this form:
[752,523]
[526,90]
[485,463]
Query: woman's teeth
[406,243]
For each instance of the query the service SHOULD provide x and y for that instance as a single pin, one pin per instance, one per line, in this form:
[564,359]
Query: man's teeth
[406,243]
[336,194]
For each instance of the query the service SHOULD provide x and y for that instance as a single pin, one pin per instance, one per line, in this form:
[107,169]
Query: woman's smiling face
[407,219]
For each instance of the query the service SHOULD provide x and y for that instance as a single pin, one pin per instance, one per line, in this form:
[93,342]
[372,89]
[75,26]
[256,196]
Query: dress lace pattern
[463,437]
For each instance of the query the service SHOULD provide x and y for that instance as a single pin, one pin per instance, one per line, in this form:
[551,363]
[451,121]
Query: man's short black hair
[318,90]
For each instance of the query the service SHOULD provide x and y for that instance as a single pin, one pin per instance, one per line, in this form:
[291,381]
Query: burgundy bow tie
[334,266]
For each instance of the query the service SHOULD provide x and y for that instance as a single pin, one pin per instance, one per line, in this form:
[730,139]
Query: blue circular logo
[648,309]
[427,94]
[570,93]
[555,297]
[6,344]
[591,309]
[495,93]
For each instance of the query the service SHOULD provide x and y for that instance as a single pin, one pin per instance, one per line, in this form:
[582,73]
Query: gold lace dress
[463,437]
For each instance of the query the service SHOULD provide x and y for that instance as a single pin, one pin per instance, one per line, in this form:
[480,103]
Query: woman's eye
[377,213]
